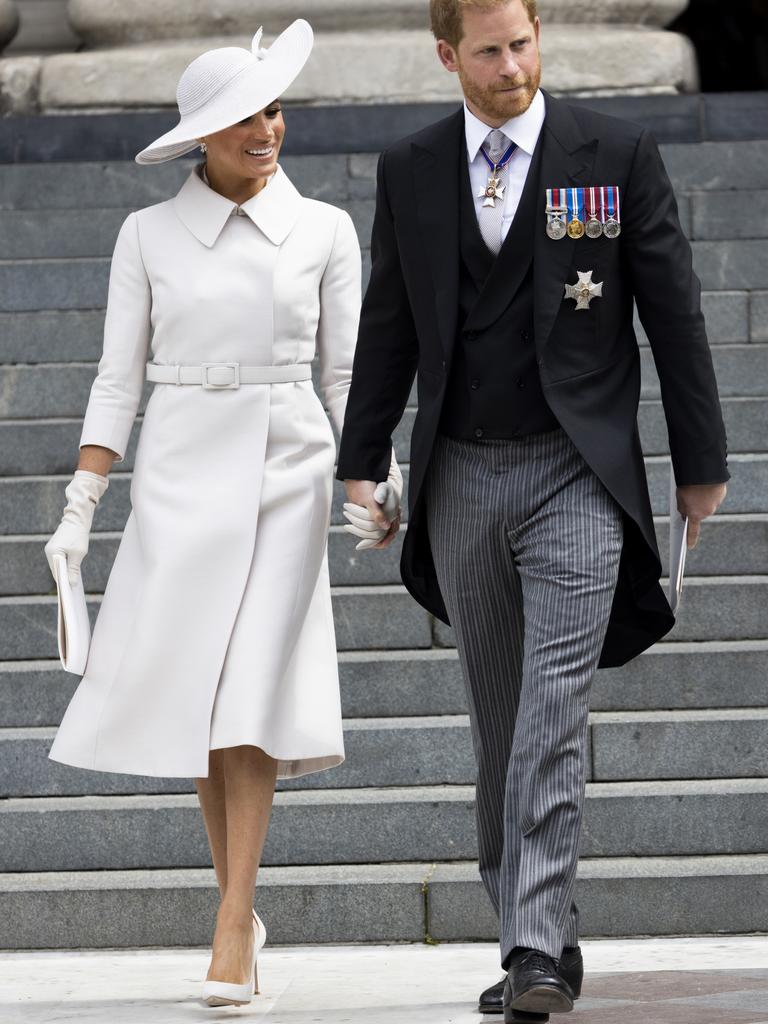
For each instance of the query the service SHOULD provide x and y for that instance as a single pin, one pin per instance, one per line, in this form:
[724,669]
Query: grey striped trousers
[526,543]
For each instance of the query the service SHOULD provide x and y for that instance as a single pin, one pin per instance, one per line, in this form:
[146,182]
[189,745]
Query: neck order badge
[494,189]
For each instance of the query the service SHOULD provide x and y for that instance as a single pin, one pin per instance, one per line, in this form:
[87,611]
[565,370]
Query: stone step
[400,684]
[33,504]
[125,185]
[430,751]
[622,896]
[27,623]
[745,420]
[426,823]
[373,903]
[76,335]
[721,167]
[72,233]
[81,283]
[62,389]
[713,608]
[387,618]
[86,233]
[49,446]
[731,545]
[741,371]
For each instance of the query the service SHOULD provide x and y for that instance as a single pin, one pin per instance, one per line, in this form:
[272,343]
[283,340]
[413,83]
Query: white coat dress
[216,626]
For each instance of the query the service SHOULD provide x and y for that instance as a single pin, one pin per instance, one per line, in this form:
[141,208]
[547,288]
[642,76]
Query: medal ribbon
[504,160]
[611,191]
[592,205]
[575,197]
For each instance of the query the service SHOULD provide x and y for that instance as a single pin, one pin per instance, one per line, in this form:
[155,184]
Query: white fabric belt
[226,376]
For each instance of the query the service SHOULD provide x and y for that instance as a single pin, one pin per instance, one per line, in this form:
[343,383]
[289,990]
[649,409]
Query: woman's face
[249,149]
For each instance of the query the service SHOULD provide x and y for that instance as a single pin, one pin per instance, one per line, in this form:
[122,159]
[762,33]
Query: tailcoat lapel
[436,183]
[567,159]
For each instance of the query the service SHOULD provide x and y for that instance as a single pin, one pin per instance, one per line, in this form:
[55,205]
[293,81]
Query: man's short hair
[447,16]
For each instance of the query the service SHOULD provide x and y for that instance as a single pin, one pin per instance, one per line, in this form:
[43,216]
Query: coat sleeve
[117,390]
[386,357]
[668,296]
[340,289]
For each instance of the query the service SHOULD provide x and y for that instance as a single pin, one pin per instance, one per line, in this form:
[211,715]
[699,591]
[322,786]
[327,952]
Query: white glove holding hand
[71,538]
[388,495]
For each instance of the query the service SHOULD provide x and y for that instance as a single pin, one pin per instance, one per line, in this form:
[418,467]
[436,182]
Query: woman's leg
[249,786]
[211,794]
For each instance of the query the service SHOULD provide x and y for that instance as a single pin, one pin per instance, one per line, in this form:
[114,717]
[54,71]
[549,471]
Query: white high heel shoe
[221,993]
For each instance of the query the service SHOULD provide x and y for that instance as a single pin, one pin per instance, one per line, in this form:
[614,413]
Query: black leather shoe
[534,985]
[571,968]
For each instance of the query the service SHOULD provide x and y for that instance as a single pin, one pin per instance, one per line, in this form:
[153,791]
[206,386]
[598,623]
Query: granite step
[745,423]
[28,285]
[373,903]
[730,545]
[87,233]
[62,389]
[713,608]
[33,504]
[421,823]
[49,446]
[622,896]
[50,335]
[91,231]
[387,618]
[711,167]
[402,684]
[383,617]
[624,747]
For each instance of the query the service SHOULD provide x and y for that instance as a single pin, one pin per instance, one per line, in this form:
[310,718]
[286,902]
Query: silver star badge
[585,290]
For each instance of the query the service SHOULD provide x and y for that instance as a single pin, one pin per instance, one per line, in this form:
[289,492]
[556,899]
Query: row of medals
[594,228]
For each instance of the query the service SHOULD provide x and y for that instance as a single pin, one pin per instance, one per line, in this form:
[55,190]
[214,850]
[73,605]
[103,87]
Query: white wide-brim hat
[226,85]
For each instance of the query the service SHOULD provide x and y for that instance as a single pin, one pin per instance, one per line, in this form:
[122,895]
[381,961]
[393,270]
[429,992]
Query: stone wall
[365,52]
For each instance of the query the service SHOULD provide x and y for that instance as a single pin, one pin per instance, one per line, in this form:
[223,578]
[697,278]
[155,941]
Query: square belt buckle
[226,381]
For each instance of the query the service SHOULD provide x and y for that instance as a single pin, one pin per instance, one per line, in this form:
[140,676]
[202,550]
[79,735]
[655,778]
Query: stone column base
[381,67]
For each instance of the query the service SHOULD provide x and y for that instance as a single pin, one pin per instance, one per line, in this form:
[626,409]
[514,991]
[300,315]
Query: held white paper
[678,547]
[74,629]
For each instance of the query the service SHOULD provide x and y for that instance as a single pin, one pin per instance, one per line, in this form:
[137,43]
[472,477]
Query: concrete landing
[669,981]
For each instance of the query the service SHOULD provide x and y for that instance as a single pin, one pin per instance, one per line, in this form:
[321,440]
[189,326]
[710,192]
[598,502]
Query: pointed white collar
[524,129]
[274,210]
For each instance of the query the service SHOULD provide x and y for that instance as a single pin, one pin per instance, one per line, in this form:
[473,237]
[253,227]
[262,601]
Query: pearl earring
[203,147]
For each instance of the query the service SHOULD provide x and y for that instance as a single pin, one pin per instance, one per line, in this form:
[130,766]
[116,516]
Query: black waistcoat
[494,388]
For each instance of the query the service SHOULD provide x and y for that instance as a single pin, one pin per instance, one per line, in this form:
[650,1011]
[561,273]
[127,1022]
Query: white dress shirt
[525,131]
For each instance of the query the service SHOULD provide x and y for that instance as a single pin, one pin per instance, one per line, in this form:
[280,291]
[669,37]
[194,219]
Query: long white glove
[388,494]
[71,537]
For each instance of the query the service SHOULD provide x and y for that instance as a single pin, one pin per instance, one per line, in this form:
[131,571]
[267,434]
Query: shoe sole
[543,999]
[521,1017]
[218,1001]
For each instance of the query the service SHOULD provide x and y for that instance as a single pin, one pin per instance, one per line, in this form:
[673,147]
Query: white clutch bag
[74,629]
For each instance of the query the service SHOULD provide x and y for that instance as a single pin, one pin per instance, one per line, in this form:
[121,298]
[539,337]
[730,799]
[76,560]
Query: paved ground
[670,981]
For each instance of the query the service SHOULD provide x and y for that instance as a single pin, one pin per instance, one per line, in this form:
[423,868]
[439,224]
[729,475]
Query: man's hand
[361,495]
[698,502]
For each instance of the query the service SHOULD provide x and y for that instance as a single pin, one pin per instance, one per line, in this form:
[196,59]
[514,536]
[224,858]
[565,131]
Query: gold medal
[575,228]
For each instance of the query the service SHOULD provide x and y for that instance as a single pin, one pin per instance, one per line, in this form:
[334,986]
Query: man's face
[498,61]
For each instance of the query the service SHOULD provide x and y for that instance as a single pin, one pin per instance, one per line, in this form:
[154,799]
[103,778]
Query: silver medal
[594,228]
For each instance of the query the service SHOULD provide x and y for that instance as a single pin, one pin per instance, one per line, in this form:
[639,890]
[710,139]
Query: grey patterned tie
[491,217]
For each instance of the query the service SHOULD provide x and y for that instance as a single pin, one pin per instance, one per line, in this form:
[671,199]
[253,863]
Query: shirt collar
[524,129]
[274,210]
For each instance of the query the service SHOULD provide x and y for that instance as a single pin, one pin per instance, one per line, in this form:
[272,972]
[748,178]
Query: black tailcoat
[588,361]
